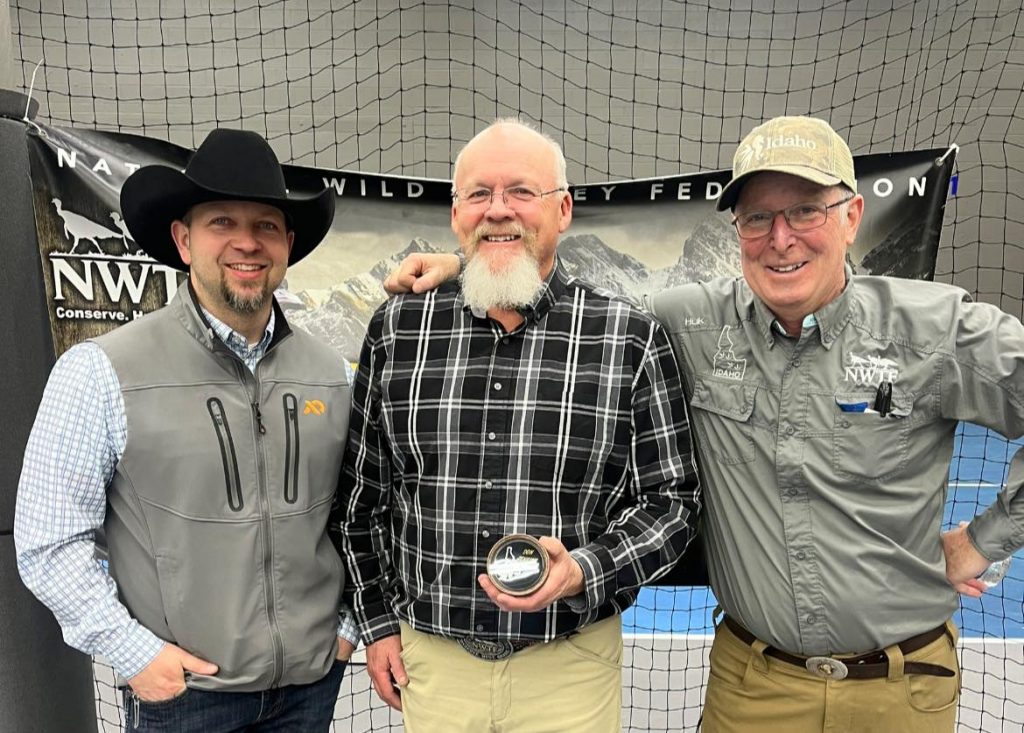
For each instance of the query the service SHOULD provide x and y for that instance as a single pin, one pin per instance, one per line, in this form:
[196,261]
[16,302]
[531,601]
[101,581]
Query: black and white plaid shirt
[573,425]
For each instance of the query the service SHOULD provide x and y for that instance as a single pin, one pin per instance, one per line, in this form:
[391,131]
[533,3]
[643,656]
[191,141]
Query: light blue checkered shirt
[78,438]
[807,324]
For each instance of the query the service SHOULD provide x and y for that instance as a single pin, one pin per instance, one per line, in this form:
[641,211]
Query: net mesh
[630,89]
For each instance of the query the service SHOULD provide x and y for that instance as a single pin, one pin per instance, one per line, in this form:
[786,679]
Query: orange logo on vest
[314,406]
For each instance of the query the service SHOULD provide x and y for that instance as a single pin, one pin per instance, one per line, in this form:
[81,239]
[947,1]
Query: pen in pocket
[883,398]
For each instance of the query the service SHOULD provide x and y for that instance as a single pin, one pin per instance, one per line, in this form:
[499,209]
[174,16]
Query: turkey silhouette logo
[83,231]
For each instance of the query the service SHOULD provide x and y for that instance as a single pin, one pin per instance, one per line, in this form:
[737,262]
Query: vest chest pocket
[866,445]
[291,448]
[232,482]
[722,411]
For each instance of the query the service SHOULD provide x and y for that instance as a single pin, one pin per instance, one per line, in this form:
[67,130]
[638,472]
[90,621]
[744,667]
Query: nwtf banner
[631,237]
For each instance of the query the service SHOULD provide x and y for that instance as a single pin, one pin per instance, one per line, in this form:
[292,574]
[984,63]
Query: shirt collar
[235,341]
[809,322]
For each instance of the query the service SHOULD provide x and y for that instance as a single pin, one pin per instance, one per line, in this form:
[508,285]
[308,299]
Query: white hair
[513,286]
[561,181]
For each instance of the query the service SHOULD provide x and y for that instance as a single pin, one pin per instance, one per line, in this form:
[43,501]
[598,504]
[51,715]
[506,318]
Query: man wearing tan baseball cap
[825,406]
[825,439]
[805,147]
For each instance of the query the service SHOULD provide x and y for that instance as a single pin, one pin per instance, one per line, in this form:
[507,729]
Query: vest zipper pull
[259,417]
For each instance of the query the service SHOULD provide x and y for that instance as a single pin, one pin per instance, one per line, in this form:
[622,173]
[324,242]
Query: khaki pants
[750,691]
[564,686]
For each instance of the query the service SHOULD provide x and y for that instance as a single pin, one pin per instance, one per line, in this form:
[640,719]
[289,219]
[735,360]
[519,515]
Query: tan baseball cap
[801,146]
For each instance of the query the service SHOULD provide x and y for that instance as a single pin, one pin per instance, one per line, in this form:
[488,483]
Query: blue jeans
[295,708]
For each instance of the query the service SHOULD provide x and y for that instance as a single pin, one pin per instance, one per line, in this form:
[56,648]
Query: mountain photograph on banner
[629,237]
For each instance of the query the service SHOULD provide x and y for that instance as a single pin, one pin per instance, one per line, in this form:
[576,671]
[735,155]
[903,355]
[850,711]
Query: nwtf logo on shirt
[870,370]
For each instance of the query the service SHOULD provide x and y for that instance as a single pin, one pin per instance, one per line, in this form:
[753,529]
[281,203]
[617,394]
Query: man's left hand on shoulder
[565,579]
[963,562]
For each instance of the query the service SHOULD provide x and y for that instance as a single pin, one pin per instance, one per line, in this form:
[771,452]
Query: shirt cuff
[577,604]
[379,621]
[594,594]
[994,534]
[131,651]
[347,627]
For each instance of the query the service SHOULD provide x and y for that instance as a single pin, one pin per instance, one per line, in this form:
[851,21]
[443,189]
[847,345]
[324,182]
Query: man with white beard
[826,484]
[518,401]
[487,282]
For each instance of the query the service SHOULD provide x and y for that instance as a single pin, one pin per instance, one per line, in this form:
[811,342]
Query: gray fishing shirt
[823,518]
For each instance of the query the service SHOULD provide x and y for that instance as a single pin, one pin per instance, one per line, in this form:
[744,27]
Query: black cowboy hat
[230,165]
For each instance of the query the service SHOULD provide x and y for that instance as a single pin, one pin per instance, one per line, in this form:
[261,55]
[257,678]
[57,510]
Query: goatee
[507,284]
[244,303]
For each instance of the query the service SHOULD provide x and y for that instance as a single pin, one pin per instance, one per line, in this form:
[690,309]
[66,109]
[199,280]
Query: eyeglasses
[800,218]
[512,196]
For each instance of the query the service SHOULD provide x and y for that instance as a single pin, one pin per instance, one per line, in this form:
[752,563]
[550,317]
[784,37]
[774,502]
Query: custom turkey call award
[518,564]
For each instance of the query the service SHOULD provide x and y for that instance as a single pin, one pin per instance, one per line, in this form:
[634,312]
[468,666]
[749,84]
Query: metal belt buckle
[827,667]
[487,649]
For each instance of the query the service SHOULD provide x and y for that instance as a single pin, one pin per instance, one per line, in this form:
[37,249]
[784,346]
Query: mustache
[489,230]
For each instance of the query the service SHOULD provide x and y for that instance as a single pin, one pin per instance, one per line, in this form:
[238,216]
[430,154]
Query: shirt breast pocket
[722,411]
[866,445]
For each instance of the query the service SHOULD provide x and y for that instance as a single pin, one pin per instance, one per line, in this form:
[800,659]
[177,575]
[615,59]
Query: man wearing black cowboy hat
[205,441]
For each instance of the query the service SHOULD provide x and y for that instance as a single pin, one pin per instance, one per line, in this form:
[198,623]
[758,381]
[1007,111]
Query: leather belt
[492,650]
[871,665]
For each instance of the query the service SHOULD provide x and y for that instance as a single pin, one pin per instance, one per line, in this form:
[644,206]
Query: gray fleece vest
[217,512]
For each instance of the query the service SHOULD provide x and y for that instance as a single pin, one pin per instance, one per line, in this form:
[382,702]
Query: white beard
[513,286]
